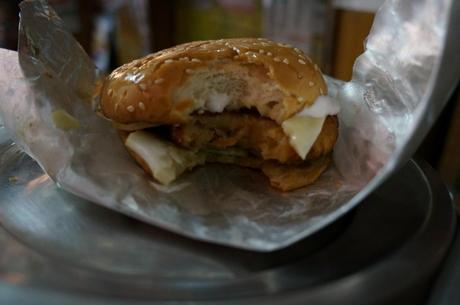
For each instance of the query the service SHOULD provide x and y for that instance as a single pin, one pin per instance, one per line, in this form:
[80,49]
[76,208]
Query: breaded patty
[261,136]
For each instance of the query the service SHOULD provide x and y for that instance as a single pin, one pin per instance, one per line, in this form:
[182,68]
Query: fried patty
[262,137]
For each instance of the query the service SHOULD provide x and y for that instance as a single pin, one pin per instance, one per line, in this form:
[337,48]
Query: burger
[249,102]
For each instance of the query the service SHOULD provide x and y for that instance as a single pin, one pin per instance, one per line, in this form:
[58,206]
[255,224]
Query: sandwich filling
[234,136]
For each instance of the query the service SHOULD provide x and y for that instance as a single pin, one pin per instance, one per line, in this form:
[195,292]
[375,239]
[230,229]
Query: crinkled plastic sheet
[381,109]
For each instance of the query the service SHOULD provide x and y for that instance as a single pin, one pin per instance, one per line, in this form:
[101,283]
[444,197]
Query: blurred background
[331,32]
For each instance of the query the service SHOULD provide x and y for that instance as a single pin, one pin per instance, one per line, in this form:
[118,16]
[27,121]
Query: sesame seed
[264,44]
[201,111]
[300,98]
[195,60]
[311,84]
[109,92]
[316,67]
[255,44]
[269,53]
[301,62]
[158,81]
[227,44]
[168,61]
[261,39]
[261,51]
[280,44]
[183,58]
[116,106]
[142,106]
[321,90]
[130,108]
[142,87]
[286,61]
[188,71]
[277,59]
[297,50]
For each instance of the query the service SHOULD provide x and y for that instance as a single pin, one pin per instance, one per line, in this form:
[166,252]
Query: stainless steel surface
[446,290]
[60,249]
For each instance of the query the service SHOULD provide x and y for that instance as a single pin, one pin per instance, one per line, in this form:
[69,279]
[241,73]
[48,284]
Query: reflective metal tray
[60,249]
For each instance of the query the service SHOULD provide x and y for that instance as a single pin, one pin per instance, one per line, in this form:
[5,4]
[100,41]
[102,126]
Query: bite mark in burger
[250,102]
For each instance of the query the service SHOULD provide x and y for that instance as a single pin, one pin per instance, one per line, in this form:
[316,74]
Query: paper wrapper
[382,108]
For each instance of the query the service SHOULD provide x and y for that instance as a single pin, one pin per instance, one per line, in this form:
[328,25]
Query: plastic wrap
[47,108]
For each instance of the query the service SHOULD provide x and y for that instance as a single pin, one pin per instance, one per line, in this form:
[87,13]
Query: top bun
[169,86]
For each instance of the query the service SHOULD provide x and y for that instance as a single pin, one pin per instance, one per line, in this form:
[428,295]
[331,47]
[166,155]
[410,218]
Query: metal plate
[59,249]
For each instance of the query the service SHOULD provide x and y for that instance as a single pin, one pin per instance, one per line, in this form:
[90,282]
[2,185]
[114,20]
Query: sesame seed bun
[153,89]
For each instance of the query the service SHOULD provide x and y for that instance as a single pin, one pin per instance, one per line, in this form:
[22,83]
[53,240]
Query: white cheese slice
[165,160]
[323,106]
[304,128]
[303,132]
